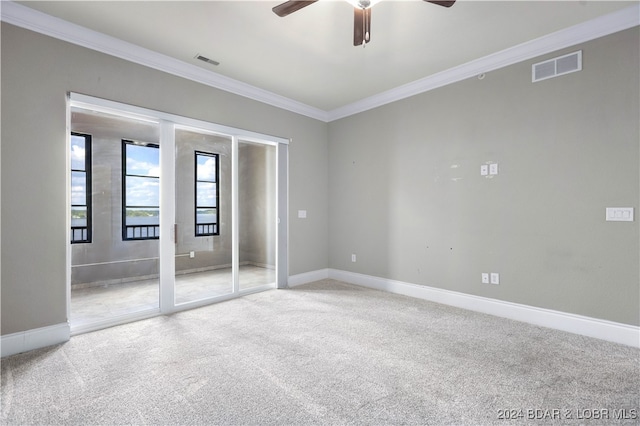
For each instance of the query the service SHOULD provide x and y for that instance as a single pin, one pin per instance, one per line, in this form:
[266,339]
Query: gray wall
[407,197]
[405,191]
[37,73]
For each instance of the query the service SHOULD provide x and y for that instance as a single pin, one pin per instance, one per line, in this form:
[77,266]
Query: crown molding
[42,23]
[599,27]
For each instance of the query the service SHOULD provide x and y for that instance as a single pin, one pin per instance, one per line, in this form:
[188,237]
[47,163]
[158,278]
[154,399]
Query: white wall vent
[561,65]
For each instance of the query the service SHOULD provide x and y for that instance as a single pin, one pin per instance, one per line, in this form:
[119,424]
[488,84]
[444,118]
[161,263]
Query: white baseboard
[24,341]
[308,277]
[586,326]
[625,334]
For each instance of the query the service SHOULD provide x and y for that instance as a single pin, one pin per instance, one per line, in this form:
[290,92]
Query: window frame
[88,190]
[215,224]
[125,206]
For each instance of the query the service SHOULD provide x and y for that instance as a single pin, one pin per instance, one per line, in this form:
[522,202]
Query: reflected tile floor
[98,303]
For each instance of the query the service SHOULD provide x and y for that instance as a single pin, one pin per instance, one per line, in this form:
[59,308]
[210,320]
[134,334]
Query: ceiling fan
[361,16]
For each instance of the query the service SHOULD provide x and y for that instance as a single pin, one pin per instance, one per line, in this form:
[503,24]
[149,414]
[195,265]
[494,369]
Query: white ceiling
[309,55]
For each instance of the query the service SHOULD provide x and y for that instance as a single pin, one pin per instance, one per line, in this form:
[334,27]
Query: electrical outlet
[495,278]
[493,168]
[353,257]
[485,278]
[192,254]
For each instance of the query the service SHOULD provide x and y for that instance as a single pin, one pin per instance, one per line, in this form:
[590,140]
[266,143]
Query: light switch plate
[484,170]
[485,278]
[302,214]
[619,214]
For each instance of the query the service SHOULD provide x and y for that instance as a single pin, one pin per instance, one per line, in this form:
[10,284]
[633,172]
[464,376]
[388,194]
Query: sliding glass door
[168,213]
[257,194]
[114,216]
[204,220]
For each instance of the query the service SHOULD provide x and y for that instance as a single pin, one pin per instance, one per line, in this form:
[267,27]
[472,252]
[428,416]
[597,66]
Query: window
[207,194]
[140,190]
[80,188]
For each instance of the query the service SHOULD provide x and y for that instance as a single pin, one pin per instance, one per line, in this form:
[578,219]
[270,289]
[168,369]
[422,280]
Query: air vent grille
[555,67]
[207,60]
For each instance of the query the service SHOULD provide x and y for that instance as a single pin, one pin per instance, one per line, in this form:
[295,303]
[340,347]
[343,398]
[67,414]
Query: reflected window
[207,195]
[140,190]
[80,188]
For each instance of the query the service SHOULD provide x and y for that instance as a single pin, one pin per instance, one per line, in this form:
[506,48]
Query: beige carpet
[325,353]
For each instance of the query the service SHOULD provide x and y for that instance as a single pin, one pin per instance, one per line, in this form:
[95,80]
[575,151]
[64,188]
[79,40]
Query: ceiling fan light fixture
[361,14]
[363,4]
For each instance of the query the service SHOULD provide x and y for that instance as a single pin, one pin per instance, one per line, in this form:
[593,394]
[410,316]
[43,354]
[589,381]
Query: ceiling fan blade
[291,6]
[361,26]
[444,3]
